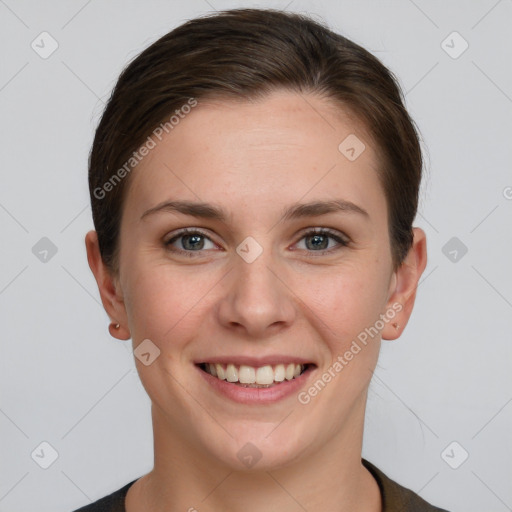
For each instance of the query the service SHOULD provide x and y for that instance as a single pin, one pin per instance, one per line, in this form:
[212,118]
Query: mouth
[255,377]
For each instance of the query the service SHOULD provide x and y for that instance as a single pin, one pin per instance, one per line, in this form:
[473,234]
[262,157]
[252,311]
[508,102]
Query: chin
[260,448]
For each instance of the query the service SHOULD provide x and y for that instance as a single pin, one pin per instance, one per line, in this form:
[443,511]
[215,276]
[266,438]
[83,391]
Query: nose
[256,302]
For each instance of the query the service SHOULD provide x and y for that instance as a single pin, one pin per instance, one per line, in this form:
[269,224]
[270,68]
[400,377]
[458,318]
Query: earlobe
[112,301]
[405,279]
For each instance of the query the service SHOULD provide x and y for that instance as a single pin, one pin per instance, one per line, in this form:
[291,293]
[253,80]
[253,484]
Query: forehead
[264,152]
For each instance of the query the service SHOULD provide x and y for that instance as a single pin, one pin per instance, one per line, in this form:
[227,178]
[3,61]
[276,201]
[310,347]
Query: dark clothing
[395,498]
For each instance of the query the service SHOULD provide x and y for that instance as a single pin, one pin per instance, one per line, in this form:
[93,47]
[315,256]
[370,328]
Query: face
[258,282]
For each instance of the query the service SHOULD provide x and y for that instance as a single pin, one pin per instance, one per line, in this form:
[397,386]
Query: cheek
[344,300]
[163,302]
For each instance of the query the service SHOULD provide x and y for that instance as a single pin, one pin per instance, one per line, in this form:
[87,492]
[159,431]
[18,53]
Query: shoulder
[112,503]
[398,498]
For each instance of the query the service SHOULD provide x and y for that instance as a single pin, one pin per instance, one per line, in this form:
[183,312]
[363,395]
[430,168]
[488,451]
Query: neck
[184,478]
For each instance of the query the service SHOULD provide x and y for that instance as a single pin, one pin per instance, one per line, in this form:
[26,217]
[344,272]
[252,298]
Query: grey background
[65,381]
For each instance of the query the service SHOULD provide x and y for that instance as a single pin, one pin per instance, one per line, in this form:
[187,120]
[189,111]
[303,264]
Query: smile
[254,377]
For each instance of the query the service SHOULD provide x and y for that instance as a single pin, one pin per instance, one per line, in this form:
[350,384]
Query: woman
[254,180]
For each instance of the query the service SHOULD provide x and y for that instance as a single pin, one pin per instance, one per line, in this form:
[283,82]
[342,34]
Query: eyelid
[186,231]
[325,231]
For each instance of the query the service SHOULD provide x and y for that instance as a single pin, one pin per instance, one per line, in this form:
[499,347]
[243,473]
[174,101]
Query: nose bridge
[256,299]
[256,278]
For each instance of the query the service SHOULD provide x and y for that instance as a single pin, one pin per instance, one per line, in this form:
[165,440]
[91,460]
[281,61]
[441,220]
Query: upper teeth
[251,375]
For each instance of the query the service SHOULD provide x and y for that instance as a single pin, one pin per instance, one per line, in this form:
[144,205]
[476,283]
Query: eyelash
[315,231]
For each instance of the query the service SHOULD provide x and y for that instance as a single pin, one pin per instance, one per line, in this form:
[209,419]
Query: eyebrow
[295,211]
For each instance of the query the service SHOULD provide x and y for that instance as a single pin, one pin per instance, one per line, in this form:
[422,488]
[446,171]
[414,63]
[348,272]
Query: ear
[403,286]
[109,288]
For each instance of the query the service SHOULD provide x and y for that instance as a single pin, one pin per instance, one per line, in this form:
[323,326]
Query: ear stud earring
[395,325]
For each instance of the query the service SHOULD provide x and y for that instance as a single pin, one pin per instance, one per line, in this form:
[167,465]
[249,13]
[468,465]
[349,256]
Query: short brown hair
[248,53]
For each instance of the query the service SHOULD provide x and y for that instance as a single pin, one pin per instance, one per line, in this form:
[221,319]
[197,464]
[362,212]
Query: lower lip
[269,395]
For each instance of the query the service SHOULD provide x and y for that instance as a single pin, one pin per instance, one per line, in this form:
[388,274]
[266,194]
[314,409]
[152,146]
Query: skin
[253,159]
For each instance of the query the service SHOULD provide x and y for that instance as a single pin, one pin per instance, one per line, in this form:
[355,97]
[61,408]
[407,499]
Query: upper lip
[256,362]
